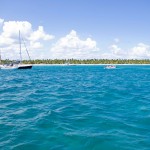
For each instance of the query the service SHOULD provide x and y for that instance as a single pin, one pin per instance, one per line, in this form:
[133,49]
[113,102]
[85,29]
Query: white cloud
[11,29]
[67,47]
[5,41]
[40,34]
[71,46]
[115,49]
[35,45]
[141,51]
[114,52]
[1,21]
[9,37]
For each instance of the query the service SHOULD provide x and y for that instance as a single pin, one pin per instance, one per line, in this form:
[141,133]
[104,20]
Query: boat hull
[25,67]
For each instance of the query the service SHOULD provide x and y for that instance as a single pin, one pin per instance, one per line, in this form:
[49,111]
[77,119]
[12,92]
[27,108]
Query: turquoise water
[75,108]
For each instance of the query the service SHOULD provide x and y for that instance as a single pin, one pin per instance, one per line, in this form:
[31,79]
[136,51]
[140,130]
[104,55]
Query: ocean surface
[75,108]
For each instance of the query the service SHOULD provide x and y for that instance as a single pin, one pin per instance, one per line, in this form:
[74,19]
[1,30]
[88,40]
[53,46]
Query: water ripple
[75,107]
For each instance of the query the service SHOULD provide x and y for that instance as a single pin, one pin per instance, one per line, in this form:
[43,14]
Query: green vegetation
[86,61]
[89,61]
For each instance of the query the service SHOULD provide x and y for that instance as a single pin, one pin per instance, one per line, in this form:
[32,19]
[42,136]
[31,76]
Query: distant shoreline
[82,62]
[90,64]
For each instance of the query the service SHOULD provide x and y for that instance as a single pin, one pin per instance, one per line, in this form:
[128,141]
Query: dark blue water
[75,108]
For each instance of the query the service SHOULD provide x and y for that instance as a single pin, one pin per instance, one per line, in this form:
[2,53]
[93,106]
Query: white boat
[110,67]
[9,66]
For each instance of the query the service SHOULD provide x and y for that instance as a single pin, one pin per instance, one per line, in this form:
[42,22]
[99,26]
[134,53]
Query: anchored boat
[17,64]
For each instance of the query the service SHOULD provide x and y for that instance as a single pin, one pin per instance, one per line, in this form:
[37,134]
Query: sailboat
[20,65]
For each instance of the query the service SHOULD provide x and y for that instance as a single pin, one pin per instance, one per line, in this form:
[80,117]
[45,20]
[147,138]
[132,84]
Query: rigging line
[26,48]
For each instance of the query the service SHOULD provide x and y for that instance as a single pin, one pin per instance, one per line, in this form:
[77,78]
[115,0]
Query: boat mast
[0,57]
[20,47]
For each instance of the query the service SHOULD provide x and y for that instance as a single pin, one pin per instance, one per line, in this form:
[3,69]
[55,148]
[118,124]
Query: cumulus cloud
[35,45]
[40,34]
[114,52]
[1,21]
[71,46]
[11,29]
[9,37]
[67,47]
[115,49]
[141,51]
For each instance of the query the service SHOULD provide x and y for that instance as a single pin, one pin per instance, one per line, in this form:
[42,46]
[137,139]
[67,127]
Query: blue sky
[79,29]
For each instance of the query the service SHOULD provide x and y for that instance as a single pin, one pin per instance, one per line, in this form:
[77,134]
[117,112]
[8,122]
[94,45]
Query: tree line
[84,61]
[87,61]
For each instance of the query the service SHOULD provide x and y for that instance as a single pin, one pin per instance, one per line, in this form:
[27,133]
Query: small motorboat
[110,67]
